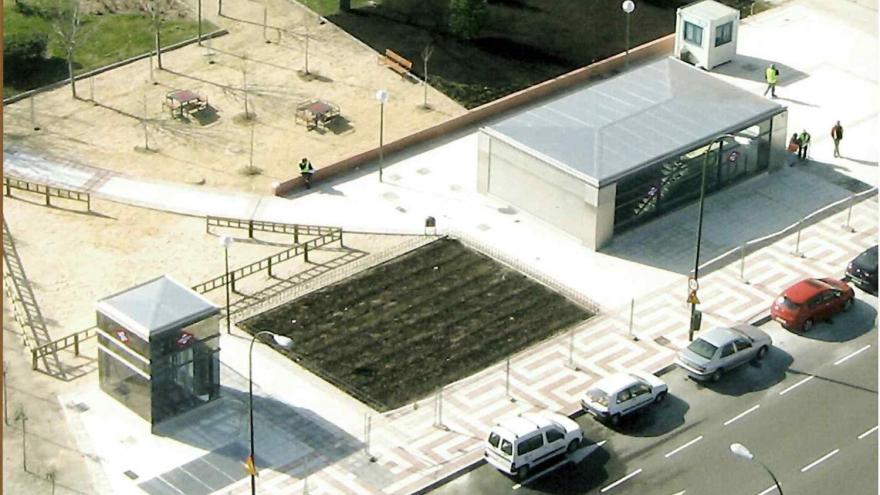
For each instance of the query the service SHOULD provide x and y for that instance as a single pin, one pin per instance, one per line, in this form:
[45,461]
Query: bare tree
[426,55]
[158,11]
[66,26]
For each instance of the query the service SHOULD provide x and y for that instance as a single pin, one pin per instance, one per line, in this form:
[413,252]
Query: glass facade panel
[724,34]
[124,384]
[666,186]
[693,33]
[184,373]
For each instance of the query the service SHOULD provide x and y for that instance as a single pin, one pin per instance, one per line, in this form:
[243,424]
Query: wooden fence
[10,183]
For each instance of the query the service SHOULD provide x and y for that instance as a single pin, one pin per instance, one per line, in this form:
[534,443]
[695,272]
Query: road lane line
[621,480]
[680,493]
[863,435]
[670,454]
[738,416]
[853,354]
[798,384]
[817,461]
[771,489]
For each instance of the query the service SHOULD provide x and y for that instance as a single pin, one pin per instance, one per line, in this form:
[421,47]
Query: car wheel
[761,353]
[572,446]
[808,325]
[848,304]
[614,419]
[660,397]
[523,472]
[717,375]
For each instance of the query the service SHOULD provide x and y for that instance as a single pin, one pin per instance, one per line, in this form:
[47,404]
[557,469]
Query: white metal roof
[615,383]
[155,306]
[524,424]
[653,113]
[708,10]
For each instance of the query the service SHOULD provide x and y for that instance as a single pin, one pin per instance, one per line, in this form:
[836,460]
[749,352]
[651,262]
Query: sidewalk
[643,273]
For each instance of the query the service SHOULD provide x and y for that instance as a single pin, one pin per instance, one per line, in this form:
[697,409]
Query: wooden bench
[396,63]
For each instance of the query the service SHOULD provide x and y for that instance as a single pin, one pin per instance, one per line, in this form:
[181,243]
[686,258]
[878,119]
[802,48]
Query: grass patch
[106,39]
[328,7]
[399,331]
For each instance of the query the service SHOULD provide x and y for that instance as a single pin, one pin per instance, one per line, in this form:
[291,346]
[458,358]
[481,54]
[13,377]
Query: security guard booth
[158,349]
[705,34]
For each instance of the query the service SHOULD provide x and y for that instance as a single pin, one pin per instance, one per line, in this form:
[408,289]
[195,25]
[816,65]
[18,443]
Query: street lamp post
[226,241]
[281,341]
[740,450]
[628,6]
[382,96]
[719,140]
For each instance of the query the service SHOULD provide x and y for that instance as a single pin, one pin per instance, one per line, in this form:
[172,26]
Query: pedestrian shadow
[755,376]
[869,163]
[797,102]
[753,69]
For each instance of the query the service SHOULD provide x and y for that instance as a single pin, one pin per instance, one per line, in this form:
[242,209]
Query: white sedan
[615,396]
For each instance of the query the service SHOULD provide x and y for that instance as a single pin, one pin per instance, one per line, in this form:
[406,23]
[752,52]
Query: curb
[114,65]
[461,472]
[762,320]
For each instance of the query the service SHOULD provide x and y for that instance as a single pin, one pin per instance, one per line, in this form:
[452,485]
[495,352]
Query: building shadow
[287,439]
[768,206]
[753,69]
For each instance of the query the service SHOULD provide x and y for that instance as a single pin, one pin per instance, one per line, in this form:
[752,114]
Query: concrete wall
[779,142]
[552,87]
[559,198]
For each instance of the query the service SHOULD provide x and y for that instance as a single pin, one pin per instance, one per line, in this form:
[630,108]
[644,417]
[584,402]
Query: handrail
[267,263]
[265,226]
[10,183]
[72,340]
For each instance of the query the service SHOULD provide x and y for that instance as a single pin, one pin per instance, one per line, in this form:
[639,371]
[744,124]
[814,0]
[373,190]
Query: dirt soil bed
[399,331]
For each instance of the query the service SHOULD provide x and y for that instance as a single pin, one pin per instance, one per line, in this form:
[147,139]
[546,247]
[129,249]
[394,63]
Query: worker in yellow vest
[306,170]
[772,76]
[805,143]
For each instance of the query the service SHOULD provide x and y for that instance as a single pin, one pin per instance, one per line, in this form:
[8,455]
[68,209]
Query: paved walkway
[413,446]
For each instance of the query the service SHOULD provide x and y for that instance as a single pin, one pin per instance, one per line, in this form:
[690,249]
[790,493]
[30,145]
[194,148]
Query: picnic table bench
[182,101]
[316,113]
[396,62]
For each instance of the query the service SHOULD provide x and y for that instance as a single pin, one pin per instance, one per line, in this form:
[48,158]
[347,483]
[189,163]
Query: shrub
[24,48]
[467,17]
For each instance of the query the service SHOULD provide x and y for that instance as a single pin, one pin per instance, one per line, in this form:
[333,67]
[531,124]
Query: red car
[809,300]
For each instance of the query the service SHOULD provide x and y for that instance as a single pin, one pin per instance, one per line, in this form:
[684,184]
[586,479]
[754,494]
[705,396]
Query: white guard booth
[705,34]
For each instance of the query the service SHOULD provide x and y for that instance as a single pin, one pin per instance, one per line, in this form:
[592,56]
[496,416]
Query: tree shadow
[206,116]
[340,125]
[754,376]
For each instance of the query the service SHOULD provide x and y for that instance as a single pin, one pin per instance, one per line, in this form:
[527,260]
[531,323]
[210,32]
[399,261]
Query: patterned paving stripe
[556,387]
[452,467]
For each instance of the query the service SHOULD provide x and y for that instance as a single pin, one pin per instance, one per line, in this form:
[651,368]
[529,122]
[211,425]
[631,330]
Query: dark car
[809,300]
[862,271]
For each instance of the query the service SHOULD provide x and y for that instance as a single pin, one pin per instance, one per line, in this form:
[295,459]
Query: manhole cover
[423,171]
[661,340]
[131,474]
[507,210]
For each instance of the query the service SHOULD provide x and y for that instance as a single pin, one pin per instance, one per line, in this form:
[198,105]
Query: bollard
[306,252]
[368,427]
[251,229]
[48,203]
[92,89]
[265,21]
[632,307]
[438,410]
[742,263]
[847,226]
[571,348]
[33,115]
[270,268]
[507,380]
[797,244]
[5,396]
[296,234]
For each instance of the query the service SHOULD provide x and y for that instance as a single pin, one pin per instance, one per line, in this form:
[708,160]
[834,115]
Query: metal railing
[53,347]
[273,227]
[10,183]
[268,263]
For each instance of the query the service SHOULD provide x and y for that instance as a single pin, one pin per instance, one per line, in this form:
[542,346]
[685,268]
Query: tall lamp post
[740,450]
[628,6]
[226,241]
[382,97]
[719,140]
[281,341]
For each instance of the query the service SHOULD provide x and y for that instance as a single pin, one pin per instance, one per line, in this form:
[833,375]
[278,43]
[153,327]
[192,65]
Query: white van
[517,444]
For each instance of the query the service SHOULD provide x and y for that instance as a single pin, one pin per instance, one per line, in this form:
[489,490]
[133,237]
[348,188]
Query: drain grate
[662,340]
[131,474]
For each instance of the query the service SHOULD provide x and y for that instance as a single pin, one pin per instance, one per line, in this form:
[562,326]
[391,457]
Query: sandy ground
[109,132]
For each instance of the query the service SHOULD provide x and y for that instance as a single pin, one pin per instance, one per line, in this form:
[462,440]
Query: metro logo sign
[122,335]
[184,340]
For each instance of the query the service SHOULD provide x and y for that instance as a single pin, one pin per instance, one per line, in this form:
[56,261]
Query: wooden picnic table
[182,101]
[316,113]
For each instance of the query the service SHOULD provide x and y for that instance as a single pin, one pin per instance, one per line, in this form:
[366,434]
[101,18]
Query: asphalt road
[807,412]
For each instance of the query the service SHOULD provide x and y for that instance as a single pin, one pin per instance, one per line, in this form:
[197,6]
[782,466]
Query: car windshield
[494,439]
[787,303]
[598,397]
[702,348]
[506,447]
[868,260]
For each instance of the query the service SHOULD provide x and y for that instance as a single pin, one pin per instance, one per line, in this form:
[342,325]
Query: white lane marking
[670,454]
[740,415]
[798,384]
[852,354]
[576,457]
[771,489]
[817,461]
[863,435]
[680,493]
[621,480]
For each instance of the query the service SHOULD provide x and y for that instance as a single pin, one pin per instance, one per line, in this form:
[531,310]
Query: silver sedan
[722,349]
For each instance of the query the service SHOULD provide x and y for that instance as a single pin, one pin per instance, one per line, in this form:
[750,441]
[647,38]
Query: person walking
[794,147]
[772,77]
[837,137]
[804,140]
[306,170]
